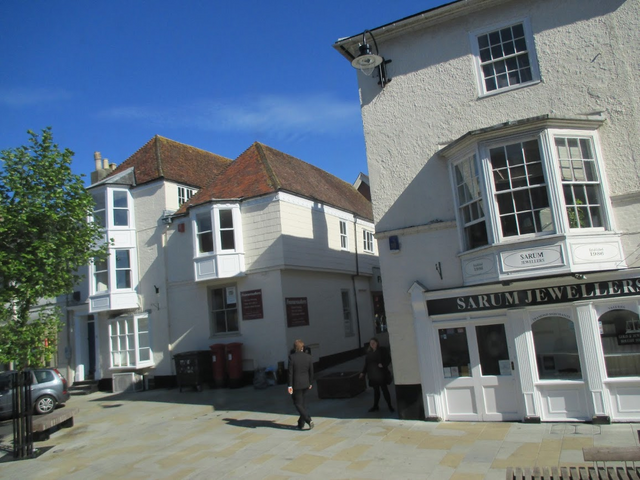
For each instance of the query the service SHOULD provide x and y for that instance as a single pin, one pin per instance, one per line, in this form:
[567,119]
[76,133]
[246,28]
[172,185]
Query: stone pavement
[248,433]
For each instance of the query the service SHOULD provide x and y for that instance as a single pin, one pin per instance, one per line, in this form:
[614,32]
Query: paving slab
[252,434]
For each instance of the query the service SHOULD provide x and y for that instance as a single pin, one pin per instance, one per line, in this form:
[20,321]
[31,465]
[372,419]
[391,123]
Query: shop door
[479,382]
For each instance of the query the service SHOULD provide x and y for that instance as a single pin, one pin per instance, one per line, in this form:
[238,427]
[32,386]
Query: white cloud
[269,114]
[24,97]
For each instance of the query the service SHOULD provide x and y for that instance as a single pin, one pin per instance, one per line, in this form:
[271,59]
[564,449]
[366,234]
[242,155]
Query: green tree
[45,239]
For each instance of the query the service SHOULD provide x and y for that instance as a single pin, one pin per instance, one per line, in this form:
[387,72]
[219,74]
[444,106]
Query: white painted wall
[588,57]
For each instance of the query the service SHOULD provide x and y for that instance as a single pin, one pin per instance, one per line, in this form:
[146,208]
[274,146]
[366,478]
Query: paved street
[248,433]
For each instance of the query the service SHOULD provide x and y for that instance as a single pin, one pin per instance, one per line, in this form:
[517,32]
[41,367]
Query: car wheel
[45,404]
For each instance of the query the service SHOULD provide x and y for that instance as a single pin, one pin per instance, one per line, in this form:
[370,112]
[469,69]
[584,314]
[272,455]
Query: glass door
[478,372]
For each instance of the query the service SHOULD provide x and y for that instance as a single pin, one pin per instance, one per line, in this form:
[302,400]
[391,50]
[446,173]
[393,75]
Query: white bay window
[130,342]
[218,241]
[532,189]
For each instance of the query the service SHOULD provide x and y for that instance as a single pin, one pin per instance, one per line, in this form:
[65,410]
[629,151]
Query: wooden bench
[597,455]
[45,425]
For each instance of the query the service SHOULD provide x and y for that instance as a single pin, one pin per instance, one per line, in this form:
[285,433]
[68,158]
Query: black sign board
[534,296]
[297,311]
[629,339]
[251,302]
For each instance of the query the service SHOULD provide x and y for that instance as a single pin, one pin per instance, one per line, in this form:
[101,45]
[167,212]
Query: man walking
[300,378]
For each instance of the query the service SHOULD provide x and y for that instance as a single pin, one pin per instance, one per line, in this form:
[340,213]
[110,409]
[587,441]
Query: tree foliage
[45,239]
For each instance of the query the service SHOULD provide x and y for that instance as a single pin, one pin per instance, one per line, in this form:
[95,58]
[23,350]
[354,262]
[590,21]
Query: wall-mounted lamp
[367,62]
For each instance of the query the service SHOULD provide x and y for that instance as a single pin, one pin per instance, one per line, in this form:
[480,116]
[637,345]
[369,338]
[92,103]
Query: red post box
[218,363]
[234,364]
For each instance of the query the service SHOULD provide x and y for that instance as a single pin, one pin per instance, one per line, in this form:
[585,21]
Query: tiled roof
[261,170]
[164,158]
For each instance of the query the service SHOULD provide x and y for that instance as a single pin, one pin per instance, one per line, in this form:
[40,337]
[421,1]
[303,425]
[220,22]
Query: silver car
[48,390]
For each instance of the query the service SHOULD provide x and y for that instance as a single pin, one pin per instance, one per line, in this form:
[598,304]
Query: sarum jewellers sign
[534,296]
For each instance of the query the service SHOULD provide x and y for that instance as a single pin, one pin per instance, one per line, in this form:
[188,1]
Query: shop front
[555,349]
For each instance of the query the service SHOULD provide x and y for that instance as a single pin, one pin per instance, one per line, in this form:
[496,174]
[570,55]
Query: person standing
[376,367]
[300,379]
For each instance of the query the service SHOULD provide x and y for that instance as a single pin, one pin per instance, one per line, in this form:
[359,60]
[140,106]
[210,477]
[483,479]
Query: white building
[204,250]
[502,141]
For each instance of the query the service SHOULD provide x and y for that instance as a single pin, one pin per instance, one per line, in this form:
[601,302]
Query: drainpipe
[353,282]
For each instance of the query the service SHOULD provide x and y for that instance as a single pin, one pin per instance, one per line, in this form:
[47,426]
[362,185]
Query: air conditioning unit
[127,382]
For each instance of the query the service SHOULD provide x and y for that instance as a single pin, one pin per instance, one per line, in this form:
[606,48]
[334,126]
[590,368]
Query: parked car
[48,390]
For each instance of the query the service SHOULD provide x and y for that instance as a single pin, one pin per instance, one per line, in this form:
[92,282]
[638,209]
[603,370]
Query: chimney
[98,159]
[105,163]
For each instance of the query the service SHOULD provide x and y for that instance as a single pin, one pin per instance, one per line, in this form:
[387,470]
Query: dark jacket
[377,375]
[300,370]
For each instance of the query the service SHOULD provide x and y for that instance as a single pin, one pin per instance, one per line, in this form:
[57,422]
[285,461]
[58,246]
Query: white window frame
[224,229]
[218,230]
[229,295]
[469,198]
[100,268]
[100,213]
[554,185]
[199,234]
[127,339]
[122,268]
[530,50]
[347,315]
[184,194]
[367,241]
[344,235]
[111,194]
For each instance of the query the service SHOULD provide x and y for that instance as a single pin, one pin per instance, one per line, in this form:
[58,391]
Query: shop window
[455,352]
[493,350]
[556,349]
[620,335]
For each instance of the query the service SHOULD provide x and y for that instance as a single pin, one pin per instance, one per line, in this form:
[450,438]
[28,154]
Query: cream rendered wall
[325,333]
[263,339]
[150,201]
[262,233]
[588,58]
[311,238]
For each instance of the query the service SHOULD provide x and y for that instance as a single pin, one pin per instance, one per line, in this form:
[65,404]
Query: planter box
[340,385]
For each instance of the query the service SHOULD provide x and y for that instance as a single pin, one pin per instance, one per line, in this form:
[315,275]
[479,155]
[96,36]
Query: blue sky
[218,75]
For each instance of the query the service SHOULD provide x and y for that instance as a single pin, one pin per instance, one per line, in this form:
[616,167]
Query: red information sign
[251,302]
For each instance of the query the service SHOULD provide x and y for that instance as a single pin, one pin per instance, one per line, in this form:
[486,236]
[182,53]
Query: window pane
[143,340]
[122,259]
[226,219]
[227,240]
[120,199]
[121,218]
[556,349]
[476,235]
[455,352]
[203,223]
[505,203]
[205,242]
[102,281]
[492,347]
[509,227]
[620,336]
[526,223]
[145,354]
[99,218]
[99,200]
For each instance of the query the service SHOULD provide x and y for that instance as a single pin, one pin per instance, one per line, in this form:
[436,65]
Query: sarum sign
[534,296]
